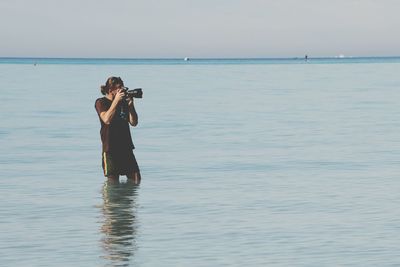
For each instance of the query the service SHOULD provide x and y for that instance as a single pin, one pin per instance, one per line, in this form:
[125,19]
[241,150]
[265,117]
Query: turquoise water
[243,164]
[198,61]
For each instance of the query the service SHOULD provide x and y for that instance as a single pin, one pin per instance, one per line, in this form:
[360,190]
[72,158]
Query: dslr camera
[132,93]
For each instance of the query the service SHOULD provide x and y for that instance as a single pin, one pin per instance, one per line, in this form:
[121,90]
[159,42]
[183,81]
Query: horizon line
[199,58]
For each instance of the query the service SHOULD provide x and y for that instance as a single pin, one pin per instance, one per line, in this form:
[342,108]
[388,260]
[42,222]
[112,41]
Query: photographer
[116,112]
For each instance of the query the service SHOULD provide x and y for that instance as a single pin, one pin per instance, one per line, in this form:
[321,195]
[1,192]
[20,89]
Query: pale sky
[201,28]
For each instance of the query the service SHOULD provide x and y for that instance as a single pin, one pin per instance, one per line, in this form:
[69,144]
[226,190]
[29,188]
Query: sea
[244,162]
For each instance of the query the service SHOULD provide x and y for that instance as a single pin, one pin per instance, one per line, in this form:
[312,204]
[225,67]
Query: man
[115,114]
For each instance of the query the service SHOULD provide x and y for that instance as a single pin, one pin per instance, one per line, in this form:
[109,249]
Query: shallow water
[242,164]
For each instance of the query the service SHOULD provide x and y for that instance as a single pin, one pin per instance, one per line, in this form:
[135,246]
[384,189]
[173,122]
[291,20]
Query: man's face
[114,90]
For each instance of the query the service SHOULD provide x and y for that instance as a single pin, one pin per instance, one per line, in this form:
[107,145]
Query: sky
[199,28]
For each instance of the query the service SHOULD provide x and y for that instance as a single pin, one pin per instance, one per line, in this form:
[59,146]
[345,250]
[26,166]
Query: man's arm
[107,115]
[133,117]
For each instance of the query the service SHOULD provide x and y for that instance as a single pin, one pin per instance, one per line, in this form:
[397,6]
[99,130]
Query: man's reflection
[119,221]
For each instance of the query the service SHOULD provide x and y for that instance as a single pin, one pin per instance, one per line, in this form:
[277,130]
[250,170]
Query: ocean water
[244,163]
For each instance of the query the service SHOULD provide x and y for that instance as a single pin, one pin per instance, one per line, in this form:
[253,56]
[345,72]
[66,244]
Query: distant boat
[186,59]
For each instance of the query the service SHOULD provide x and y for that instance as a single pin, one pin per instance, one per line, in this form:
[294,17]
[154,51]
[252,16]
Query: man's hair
[111,82]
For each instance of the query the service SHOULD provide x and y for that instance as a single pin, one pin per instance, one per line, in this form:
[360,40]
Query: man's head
[112,85]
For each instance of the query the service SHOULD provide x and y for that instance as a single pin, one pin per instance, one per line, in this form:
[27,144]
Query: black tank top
[116,136]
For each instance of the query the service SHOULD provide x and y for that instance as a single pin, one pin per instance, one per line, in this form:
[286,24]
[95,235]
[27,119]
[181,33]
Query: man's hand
[119,95]
[130,102]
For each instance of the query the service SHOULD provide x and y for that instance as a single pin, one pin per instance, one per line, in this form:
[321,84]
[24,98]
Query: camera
[132,93]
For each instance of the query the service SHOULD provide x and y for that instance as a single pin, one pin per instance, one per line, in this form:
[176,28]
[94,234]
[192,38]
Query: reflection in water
[119,222]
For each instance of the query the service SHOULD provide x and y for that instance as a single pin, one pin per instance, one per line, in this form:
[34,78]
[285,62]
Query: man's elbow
[107,122]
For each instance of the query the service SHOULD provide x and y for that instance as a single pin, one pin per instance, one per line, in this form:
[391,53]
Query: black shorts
[119,163]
